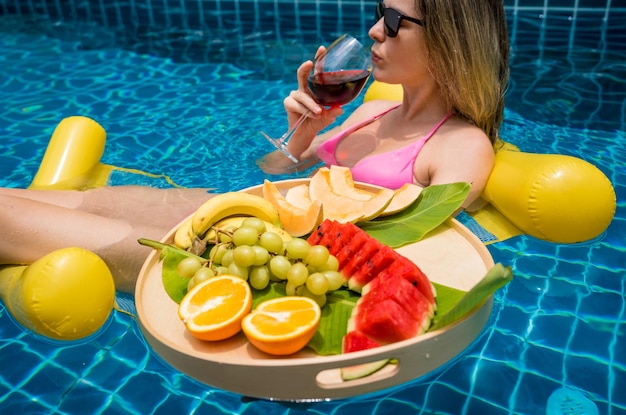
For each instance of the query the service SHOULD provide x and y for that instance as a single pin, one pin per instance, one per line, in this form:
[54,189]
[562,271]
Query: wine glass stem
[294,127]
[281,143]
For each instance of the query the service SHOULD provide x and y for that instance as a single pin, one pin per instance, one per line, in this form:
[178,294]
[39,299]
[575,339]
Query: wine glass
[337,77]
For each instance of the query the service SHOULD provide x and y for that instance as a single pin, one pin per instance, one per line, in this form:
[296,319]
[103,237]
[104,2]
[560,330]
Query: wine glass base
[281,146]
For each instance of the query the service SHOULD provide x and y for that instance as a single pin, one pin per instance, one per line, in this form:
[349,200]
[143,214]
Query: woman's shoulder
[457,138]
[458,130]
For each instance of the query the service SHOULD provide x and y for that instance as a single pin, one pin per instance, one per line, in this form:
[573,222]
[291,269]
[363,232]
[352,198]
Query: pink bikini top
[391,169]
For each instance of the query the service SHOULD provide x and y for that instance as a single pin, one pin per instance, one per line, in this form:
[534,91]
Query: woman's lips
[375,58]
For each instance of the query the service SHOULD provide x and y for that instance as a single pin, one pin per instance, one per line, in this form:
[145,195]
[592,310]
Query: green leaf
[175,285]
[496,277]
[447,297]
[334,323]
[273,290]
[433,207]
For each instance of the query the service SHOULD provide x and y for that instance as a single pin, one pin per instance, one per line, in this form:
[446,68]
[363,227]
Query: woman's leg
[64,198]
[107,221]
[137,204]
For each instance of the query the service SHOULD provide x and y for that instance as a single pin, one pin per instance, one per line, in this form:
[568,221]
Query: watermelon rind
[362,370]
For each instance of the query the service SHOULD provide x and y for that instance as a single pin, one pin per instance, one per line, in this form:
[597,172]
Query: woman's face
[401,59]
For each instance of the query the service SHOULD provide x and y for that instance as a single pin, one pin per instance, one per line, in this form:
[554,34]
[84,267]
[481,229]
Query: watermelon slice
[349,250]
[325,235]
[397,302]
[405,294]
[383,257]
[362,370]
[344,236]
[355,340]
[408,270]
[386,321]
[360,256]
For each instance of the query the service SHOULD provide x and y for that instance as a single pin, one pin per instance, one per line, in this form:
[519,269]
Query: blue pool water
[189,103]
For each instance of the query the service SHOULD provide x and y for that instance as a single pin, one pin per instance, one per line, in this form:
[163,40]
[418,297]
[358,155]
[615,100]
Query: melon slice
[403,197]
[341,182]
[299,196]
[344,208]
[386,321]
[397,299]
[295,221]
[405,294]
[408,270]
[383,257]
[352,267]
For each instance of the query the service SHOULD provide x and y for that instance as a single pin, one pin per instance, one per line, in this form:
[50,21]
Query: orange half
[282,326]
[213,309]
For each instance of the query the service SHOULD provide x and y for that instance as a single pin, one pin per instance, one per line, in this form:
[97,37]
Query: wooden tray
[453,256]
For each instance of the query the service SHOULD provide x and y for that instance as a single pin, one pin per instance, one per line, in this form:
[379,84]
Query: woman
[451,58]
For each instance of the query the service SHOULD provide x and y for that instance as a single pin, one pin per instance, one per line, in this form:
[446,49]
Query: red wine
[334,89]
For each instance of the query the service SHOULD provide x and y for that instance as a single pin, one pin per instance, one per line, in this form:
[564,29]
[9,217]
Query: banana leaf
[497,277]
[433,207]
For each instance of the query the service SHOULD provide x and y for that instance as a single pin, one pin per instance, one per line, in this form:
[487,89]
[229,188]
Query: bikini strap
[439,124]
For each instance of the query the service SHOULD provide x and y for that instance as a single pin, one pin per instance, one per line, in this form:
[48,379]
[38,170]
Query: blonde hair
[468,46]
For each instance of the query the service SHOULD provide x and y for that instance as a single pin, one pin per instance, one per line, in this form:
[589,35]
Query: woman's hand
[300,102]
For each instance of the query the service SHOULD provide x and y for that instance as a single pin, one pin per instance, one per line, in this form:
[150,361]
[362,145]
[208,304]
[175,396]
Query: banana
[183,238]
[236,221]
[230,204]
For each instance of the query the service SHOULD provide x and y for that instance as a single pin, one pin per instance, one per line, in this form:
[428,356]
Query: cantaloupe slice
[342,183]
[342,208]
[299,196]
[294,220]
[402,198]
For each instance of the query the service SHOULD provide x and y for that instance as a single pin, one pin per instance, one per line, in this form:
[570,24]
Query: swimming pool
[177,98]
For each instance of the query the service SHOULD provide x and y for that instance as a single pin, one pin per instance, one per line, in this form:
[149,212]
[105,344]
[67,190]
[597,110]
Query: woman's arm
[465,155]
[277,163]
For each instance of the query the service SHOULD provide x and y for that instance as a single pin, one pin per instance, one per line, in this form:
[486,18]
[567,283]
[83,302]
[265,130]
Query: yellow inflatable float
[72,159]
[65,295]
[69,293]
[553,197]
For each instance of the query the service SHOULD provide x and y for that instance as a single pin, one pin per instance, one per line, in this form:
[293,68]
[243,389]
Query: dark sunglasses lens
[392,22]
[392,19]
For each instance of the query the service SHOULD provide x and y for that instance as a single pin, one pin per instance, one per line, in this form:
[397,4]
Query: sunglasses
[393,19]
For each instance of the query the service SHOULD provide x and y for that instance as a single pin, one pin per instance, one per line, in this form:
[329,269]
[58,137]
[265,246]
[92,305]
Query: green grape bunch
[259,256]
